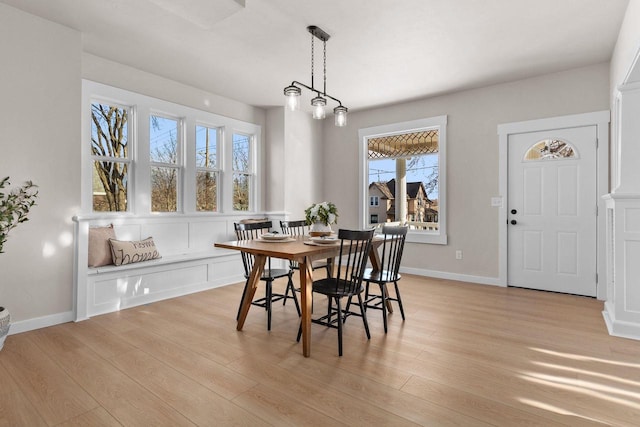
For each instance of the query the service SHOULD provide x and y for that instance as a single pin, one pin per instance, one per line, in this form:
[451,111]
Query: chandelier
[319,102]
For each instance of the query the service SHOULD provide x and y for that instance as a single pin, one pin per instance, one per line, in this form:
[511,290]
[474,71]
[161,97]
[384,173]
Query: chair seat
[380,276]
[274,273]
[328,287]
[314,265]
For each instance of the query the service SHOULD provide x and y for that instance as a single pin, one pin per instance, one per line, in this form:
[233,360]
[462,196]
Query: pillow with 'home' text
[128,252]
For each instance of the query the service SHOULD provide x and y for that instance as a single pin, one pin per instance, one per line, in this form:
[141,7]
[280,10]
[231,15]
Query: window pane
[241,150]
[550,149]
[420,173]
[206,147]
[241,192]
[206,191]
[164,189]
[109,131]
[109,186]
[163,140]
[109,140]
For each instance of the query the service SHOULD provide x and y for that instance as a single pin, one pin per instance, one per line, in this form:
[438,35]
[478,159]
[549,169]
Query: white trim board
[482,280]
[601,120]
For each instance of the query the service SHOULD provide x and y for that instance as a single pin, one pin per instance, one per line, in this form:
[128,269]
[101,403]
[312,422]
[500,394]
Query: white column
[401,190]
[622,308]
[628,140]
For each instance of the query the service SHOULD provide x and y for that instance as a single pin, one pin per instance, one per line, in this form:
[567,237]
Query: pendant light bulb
[340,114]
[318,104]
[293,97]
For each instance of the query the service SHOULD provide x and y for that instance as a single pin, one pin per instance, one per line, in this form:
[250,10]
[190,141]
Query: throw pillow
[99,249]
[127,252]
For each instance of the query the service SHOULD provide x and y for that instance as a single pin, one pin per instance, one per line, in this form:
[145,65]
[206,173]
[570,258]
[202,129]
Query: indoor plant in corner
[14,208]
[320,216]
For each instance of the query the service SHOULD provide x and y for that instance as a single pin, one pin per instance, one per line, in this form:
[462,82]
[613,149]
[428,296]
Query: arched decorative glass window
[550,149]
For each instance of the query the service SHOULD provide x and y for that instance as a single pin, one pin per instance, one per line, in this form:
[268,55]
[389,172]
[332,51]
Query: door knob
[514,222]
[513,211]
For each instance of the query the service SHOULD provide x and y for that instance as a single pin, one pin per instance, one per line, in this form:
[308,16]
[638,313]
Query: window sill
[426,238]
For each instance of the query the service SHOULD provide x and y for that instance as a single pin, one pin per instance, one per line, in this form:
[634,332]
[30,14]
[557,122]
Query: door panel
[552,190]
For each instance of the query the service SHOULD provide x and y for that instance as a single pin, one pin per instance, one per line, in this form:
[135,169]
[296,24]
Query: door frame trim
[601,120]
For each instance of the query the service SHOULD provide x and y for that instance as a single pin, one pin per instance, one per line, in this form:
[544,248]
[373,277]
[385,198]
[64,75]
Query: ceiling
[380,51]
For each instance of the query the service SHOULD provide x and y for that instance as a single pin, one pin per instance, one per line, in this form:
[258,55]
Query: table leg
[254,279]
[306,299]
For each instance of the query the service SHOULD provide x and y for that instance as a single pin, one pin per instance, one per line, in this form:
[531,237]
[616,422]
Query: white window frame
[215,170]
[374,201]
[141,107]
[129,160]
[250,172]
[440,123]
[178,165]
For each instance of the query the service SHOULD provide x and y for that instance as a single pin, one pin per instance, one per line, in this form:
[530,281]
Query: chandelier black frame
[294,91]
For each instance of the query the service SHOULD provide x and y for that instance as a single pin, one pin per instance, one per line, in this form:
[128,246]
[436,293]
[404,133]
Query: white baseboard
[618,328]
[40,322]
[494,281]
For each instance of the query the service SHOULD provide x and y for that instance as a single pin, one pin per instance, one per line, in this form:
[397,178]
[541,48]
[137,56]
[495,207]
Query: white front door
[552,210]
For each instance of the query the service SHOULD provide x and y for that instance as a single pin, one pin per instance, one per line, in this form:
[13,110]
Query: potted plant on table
[14,208]
[320,216]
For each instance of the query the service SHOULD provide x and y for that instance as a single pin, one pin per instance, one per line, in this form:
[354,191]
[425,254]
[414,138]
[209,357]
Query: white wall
[303,162]
[114,74]
[274,160]
[472,157]
[40,123]
[627,46]
[294,162]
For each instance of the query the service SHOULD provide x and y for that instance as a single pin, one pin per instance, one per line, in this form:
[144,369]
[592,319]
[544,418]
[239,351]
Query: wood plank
[50,390]
[98,417]
[206,372]
[16,410]
[194,401]
[119,394]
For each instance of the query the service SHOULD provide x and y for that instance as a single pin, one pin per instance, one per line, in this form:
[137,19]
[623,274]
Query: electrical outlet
[458,254]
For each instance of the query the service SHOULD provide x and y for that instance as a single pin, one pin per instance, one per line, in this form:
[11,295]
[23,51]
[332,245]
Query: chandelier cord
[324,71]
[312,59]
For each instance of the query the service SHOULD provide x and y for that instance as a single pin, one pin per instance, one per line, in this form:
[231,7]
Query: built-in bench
[189,262]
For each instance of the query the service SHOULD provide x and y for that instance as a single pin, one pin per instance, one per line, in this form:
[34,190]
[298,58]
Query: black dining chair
[392,249]
[352,261]
[300,228]
[252,231]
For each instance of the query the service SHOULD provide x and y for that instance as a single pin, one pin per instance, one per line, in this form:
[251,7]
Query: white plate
[287,240]
[324,240]
[271,236]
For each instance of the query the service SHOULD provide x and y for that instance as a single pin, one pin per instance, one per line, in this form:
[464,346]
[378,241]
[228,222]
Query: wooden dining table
[296,248]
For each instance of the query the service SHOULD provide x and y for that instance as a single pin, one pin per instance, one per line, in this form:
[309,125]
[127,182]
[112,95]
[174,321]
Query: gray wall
[40,128]
[472,157]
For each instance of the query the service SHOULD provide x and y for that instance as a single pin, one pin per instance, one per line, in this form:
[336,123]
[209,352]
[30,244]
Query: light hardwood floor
[467,355]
